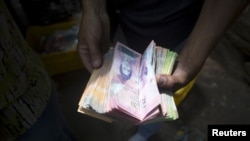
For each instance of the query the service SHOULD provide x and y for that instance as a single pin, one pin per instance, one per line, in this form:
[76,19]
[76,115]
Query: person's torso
[168,22]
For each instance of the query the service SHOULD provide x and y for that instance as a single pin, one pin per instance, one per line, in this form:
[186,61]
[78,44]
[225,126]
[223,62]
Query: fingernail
[96,63]
[162,80]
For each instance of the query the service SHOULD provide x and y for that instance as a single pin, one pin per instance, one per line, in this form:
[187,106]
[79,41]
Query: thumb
[90,56]
[96,56]
[166,81]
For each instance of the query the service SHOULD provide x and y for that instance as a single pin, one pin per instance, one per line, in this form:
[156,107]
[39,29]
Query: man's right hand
[93,36]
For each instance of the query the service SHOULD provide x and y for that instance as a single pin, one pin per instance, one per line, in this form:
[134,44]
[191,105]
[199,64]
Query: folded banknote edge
[95,115]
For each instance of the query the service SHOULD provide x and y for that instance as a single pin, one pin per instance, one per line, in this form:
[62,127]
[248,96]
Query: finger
[85,57]
[90,56]
[96,57]
[89,51]
[94,45]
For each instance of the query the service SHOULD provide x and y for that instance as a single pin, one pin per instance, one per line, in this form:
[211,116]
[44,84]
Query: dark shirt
[167,22]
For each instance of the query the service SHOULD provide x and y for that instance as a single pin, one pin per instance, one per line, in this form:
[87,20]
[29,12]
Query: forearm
[94,6]
[95,13]
[216,16]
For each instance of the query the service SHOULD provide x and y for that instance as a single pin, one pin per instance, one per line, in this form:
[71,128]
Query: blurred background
[221,94]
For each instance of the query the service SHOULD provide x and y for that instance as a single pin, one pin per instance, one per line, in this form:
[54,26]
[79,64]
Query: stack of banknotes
[125,87]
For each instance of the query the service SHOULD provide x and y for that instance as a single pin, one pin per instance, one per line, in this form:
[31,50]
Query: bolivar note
[125,87]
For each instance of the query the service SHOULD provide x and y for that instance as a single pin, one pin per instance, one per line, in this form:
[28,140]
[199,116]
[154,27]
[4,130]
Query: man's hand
[182,74]
[93,37]
[215,18]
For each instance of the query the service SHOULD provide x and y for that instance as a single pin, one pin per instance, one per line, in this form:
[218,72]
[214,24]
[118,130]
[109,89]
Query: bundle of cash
[125,87]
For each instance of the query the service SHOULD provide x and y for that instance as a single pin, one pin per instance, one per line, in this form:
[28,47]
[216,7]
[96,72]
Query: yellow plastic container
[58,62]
